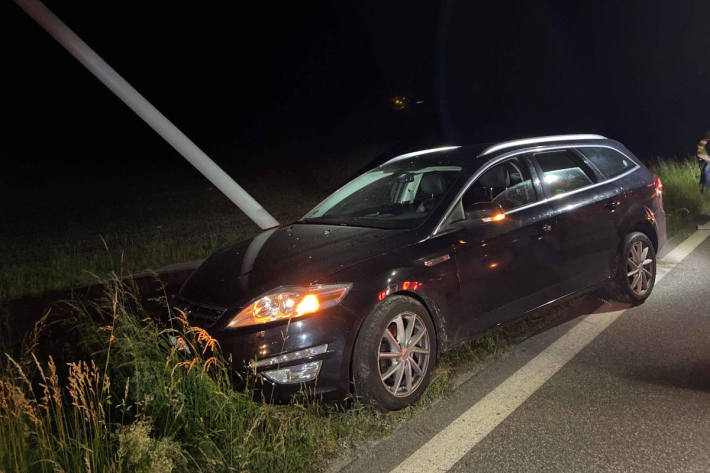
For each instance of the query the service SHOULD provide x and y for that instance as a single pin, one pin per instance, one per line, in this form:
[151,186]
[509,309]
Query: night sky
[295,76]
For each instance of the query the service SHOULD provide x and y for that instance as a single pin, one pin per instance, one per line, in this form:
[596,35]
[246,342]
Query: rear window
[609,161]
[563,171]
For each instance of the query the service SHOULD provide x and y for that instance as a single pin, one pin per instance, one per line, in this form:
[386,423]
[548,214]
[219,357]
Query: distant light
[399,103]
[419,102]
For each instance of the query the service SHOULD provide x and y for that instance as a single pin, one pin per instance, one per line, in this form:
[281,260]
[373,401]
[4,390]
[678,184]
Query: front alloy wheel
[394,353]
[404,354]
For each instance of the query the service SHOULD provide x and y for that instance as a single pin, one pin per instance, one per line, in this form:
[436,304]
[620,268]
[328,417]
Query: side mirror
[485,212]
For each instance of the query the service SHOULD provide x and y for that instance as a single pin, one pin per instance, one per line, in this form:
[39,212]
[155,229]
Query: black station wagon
[428,250]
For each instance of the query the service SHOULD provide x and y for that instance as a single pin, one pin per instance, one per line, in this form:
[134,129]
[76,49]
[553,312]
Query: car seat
[431,186]
[490,184]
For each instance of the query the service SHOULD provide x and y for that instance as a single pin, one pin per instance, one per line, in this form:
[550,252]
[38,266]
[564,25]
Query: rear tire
[636,269]
[395,353]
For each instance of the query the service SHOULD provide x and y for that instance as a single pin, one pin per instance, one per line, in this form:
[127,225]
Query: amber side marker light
[405,286]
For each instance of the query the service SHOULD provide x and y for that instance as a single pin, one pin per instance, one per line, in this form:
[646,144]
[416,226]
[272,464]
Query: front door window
[508,184]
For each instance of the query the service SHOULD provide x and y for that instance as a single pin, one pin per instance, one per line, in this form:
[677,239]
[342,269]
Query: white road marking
[684,249]
[447,447]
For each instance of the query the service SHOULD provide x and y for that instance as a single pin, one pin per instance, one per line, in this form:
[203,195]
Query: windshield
[386,198]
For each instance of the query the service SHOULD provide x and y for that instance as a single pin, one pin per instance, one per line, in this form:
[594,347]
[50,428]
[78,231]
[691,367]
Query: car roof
[461,155]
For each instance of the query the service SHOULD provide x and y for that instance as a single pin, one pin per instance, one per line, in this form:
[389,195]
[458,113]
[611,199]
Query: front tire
[636,269]
[395,353]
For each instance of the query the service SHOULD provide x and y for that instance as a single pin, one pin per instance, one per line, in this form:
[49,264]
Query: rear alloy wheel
[394,354]
[637,269]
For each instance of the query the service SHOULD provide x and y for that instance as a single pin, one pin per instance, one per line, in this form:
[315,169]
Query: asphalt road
[621,389]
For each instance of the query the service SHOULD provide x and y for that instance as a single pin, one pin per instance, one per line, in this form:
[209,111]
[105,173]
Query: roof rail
[540,139]
[417,153]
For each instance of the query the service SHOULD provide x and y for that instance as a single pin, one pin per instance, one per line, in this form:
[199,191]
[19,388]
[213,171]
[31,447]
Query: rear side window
[563,171]
[609,161]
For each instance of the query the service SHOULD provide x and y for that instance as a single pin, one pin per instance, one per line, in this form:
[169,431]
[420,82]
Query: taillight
[658,185]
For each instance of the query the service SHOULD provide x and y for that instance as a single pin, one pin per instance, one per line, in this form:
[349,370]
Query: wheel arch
[386,278]
[434,313]
[644,223]
[429,305]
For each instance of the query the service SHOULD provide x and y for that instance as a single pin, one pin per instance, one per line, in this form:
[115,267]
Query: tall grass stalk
[143,396]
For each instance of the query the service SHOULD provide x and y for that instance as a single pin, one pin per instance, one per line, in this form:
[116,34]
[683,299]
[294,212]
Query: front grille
[200,315]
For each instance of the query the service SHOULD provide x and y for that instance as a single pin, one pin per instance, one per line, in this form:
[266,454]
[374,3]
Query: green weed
[682,199]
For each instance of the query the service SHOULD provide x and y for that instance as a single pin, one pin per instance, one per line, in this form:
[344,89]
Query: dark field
[61,232]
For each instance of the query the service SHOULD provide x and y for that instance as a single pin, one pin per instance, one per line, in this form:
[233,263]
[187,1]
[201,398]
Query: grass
[126,399]
[682,199]
[144,236]
[55,234]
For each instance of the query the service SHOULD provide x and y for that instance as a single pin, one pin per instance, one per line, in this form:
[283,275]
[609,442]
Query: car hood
[294,255]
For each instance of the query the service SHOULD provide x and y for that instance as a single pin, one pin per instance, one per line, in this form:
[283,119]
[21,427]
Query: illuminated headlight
[289,302]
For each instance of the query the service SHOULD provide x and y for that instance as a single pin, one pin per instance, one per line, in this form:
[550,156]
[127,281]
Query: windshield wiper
[315,221]
[339,223]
